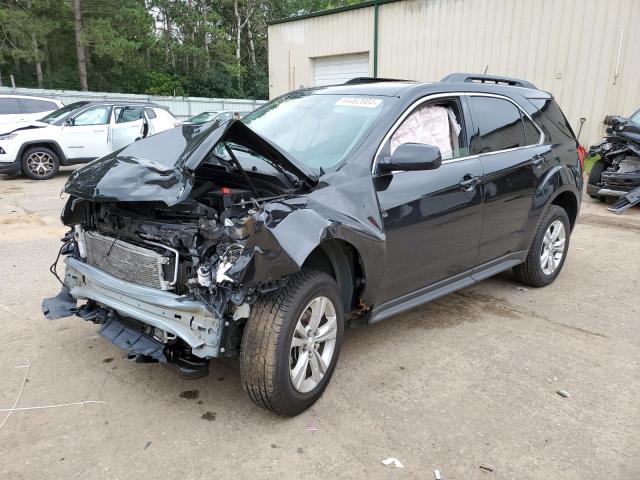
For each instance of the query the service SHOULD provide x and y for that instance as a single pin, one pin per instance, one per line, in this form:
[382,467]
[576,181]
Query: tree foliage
[210,48]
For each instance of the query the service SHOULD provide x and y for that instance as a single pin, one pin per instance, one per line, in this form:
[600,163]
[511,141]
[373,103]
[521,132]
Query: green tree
[213,48]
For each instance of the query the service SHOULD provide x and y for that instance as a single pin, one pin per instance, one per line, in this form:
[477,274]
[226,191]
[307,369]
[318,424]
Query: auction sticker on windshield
[362,102]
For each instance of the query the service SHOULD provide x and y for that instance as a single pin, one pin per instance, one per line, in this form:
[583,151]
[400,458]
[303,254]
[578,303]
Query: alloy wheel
[553,244]
[313,344]
[40,164]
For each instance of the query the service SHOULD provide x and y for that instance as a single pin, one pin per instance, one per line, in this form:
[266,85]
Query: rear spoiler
[480,78]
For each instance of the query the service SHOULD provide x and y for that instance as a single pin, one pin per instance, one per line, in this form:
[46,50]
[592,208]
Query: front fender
[286,232]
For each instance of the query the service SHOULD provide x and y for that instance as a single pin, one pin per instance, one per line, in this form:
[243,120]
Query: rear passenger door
[127,126]
[512,154]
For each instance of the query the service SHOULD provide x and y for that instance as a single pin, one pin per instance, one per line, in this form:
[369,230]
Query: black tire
[595,175]
[530,272]
[50,163]
[266,343]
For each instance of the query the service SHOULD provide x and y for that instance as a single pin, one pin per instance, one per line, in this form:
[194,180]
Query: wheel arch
[50,144]
[568,201]
[560,186]
[342,261]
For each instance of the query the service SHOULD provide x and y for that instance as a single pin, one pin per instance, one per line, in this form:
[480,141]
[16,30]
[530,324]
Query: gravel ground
[466,384]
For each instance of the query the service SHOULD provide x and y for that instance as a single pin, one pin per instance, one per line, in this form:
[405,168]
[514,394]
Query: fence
[181,107]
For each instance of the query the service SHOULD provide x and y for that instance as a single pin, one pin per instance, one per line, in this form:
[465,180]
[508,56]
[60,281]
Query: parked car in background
[23,108]
[78,133]
[219,116]
[351,203]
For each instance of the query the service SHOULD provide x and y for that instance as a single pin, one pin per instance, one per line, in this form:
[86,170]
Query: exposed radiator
[138,265]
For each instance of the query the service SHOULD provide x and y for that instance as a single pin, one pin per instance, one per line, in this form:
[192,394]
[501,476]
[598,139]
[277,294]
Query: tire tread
[260,347]
[530,272]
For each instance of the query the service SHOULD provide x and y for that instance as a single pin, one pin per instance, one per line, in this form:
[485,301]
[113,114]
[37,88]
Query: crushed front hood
[160,168]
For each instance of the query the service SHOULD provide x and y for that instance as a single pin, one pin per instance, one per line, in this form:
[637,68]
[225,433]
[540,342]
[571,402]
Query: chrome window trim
[422,100]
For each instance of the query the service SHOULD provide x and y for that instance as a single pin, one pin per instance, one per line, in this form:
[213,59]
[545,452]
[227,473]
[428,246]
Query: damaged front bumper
[171,315]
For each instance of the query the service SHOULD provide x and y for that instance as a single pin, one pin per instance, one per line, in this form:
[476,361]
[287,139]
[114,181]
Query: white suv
[78,133]
[23,108]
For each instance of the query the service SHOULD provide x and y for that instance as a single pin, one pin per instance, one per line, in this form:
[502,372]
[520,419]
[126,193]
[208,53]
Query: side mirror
[69,123]
[411,157]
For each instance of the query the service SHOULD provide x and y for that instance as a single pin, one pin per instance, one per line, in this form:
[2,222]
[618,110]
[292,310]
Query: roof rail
[480,78]
[358,80]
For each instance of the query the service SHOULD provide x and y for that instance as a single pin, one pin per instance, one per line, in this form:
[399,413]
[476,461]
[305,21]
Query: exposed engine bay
[192,251]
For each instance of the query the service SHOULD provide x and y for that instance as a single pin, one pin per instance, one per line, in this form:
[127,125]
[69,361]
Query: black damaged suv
[353,203]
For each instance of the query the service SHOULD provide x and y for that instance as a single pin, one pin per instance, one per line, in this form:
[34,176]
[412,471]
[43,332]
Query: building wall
[567,47]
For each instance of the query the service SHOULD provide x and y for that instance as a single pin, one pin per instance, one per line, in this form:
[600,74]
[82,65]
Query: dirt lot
[465,382]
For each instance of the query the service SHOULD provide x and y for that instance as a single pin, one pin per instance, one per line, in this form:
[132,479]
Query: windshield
[202,117]
[636,117]
[62,112]
[317,130]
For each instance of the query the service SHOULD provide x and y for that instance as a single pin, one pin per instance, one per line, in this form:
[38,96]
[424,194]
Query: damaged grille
[138,265]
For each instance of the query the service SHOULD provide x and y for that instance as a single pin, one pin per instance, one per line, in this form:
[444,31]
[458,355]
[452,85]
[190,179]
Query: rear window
[500,124]
[9,106]
[36,106]
[531,133]
[552,121]
[129,114]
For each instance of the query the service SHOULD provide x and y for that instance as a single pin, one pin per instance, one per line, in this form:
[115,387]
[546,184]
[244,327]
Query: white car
[78,133]
[23,108]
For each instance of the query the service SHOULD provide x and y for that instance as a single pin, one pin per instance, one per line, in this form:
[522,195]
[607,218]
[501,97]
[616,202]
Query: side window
[9,106]
[531,133]
[434,123]
[499,122]
[151,114]
[129,114]
[93,116]
[36,106]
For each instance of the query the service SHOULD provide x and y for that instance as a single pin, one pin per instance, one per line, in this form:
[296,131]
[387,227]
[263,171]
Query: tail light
[582,154]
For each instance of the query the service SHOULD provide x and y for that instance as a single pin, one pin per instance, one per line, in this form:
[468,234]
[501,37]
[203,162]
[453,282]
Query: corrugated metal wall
[181,107]
[568,47]
[294,45]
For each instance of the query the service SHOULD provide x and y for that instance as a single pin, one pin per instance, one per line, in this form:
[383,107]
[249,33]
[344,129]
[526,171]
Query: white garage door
[339,68]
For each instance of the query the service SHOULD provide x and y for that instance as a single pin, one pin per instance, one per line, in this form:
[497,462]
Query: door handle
[468,183]
[537,160]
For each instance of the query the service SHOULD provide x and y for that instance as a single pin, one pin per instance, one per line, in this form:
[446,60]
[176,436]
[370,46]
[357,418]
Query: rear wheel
[291,343]
[40,163]
[549,250]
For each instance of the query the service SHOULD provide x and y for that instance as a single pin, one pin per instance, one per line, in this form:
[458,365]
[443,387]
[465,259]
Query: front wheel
[595,176]
[549,250]
[291,343]
[40,163]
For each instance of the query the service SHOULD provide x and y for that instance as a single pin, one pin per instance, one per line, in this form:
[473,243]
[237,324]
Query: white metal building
[585,52]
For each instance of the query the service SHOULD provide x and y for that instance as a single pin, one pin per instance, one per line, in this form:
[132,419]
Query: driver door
[127,126]
[432,219]
[86,135]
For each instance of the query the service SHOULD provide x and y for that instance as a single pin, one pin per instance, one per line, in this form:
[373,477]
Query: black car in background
[353,203]
[616,173]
